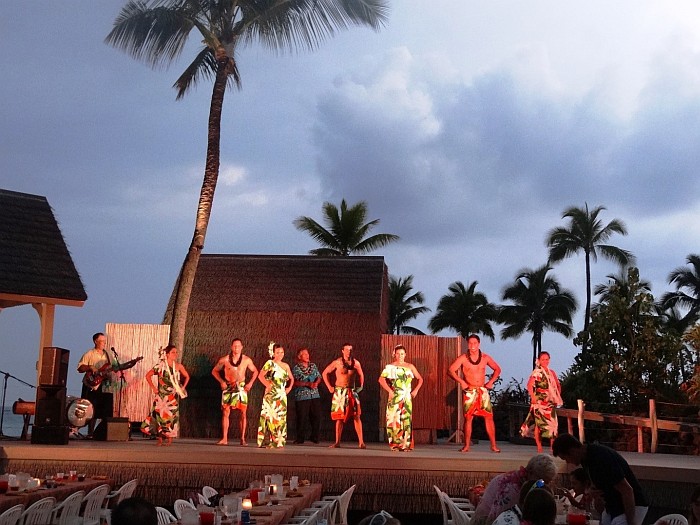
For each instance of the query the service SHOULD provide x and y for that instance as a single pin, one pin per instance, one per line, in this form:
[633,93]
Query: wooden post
[570,425]
[640,440]
[581,409]
[654,426]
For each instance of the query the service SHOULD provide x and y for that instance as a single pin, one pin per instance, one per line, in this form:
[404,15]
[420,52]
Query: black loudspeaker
[50,406]
[54,366]
[112,429]
[50,435]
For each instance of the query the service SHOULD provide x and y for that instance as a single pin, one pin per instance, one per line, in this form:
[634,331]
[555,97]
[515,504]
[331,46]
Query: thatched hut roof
[35,263]
[297,300]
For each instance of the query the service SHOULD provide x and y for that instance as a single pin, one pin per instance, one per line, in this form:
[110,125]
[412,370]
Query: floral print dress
[272,429]
[543,413]
[164,420]
[399,409]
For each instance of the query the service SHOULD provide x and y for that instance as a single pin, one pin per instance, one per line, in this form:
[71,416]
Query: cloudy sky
[468,128]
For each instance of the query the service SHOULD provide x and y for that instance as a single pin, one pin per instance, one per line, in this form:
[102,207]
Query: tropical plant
[539,304]
[346,231]
[630,358]
[157,31]
[465,311]
[687,294]
[618,285]
[586,233]
[404,306]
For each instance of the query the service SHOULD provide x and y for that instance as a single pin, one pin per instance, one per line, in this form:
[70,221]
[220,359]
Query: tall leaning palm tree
[156,32]
[539,304]
[586,233]
[465,311]
[404,305]
[687,294]
[345,232]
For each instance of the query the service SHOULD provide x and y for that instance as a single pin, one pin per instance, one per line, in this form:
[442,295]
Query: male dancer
[346,402]
[234,389]
[475,393]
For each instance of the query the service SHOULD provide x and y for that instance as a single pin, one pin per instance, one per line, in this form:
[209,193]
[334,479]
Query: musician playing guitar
[93,365]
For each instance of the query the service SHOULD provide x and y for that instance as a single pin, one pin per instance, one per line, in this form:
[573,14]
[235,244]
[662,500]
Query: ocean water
[12,424]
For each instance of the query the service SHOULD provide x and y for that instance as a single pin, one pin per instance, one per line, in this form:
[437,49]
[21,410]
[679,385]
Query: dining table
[62,490]
[290,505]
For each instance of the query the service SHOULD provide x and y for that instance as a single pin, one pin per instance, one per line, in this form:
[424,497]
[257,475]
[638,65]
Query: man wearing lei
[346,401]
[475,388]
[234,389]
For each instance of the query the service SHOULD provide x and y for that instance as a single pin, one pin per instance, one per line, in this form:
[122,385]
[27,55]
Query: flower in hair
[271,349]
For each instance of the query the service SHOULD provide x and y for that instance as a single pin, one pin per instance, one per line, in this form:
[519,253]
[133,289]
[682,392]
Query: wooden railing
[652,422]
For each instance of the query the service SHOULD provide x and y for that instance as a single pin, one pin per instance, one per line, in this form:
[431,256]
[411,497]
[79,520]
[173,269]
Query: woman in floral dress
[163,422]
[396,379]
[278,380]
[545,396]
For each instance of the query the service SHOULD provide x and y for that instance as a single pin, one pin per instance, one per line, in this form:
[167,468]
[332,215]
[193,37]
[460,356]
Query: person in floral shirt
[306,396]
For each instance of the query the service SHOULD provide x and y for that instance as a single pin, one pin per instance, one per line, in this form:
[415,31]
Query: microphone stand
[122,381]
[4,393]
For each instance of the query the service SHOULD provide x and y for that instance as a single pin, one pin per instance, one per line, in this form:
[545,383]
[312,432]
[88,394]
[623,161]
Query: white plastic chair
[457,515]
[209,492]
[115,497]
[12,515]
[672,519]
[462,503]
[68,511]
[165,516]
[38,513]
[340,509]
[182,504]
[93,501]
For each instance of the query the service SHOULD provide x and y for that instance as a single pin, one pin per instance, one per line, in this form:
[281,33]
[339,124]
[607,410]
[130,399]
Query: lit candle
[247,504]
[273,490]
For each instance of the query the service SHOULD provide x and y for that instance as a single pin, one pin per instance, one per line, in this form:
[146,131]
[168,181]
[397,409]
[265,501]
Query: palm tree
[465,311]
[540,303]
[687,294]
[156,32]
[404,306]
[618,285]
[345,232]
[586,233]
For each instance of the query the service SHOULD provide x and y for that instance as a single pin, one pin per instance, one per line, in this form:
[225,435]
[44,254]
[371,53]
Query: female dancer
[396,379]
[278,380]
[545,396]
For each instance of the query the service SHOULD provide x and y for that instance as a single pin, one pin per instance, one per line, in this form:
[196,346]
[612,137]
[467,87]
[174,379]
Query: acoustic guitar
[93,380]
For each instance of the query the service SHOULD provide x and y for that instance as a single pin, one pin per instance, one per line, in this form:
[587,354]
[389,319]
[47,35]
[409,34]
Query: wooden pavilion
[36,267]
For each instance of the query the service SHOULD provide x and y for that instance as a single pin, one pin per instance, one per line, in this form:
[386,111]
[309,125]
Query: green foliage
[539,303]
[630,357]
[345,232]
[404,306]
[465,311]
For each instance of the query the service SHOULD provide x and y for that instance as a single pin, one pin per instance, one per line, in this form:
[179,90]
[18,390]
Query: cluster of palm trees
[534,303]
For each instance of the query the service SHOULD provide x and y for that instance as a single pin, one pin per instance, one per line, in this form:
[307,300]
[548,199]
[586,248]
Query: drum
[79,411]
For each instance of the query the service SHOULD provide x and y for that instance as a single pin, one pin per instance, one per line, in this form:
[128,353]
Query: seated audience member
[134,511]
[539,507]
[514,515]
[502,492]
[581,485]
[694,514]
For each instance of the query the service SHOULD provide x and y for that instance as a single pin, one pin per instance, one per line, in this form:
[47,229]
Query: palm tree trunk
[178,318]
[587,319]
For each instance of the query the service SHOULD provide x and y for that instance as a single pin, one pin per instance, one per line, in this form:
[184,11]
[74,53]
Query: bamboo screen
[132,341]
[437,404]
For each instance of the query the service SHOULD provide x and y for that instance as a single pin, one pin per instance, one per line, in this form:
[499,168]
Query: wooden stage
[400,482]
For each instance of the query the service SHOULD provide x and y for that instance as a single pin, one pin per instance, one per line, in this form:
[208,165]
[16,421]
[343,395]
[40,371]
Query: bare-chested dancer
[234,389]
[475,392]
[346,402]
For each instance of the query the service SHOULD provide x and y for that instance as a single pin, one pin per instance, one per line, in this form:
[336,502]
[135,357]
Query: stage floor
[398,481]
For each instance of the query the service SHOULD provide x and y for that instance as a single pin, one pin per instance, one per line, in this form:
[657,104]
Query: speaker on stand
[50,426]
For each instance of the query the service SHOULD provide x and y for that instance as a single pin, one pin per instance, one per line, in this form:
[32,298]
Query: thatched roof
[34,260]
[288,283]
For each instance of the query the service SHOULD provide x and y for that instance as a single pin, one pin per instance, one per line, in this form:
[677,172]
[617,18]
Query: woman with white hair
[502,491]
